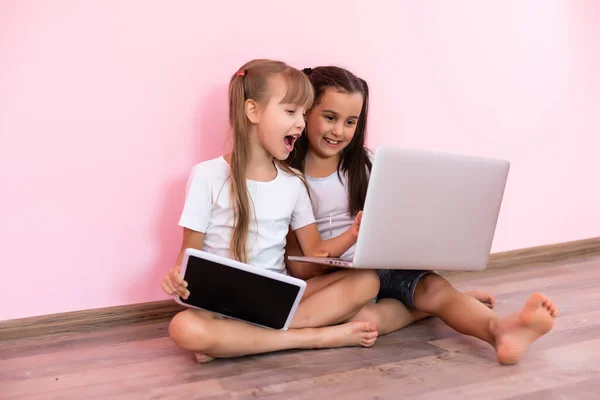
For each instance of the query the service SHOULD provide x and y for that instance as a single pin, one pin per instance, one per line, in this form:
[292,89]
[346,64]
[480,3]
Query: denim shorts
[399,284]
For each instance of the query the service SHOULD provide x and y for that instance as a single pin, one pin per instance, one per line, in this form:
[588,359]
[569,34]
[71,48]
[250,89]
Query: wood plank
[581,390]
[548,254]
[52,344]
[87,320]
[144,365]
[445,376]
[578,363]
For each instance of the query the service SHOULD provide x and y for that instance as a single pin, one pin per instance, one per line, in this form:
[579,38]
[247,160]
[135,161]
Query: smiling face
[331,123]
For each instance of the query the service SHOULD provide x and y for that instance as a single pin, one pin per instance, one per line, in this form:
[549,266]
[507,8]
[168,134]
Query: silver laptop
[427,210]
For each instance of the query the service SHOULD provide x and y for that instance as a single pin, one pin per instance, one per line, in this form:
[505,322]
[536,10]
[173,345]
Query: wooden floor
[426,360]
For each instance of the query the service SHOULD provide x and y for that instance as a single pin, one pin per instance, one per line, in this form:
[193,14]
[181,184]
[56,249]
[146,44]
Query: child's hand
[174,285]
[356,225]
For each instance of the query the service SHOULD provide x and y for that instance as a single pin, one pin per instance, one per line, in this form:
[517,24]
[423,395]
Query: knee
[430,292]
[366,284]
[189,331]
[368,314]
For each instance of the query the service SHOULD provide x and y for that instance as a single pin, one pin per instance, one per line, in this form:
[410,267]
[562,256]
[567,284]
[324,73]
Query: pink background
[105,106]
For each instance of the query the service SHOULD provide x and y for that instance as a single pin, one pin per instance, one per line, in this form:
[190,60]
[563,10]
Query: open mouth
[289,141]
[332,142]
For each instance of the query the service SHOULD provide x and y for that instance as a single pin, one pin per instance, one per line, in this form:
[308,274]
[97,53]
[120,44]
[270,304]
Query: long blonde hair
[251,82]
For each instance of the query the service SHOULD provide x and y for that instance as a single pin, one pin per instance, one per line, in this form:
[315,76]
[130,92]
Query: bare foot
[516,332]
[353,333]
[486,298]
[203,358]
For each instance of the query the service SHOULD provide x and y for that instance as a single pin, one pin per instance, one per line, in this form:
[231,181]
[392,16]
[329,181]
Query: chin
[280,157]
[328,153]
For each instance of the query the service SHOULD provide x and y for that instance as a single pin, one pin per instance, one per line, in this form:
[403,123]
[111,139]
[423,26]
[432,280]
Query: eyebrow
[334,113]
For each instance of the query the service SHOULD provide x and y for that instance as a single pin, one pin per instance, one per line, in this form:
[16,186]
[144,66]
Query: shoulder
[208,172]
[215,168]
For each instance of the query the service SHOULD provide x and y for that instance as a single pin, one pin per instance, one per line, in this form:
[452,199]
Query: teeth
[332,141]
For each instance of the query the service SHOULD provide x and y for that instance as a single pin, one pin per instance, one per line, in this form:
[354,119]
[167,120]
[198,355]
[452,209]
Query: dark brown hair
[354,160]
[252,82]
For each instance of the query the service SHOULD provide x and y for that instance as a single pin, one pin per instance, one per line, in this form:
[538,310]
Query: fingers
[179,284]
[174,273]
[165,288]
[321,253]
[174,285]
[359,217]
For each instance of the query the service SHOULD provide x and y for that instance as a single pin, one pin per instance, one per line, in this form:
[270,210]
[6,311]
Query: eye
[351,122]
[290,111]
[329,117]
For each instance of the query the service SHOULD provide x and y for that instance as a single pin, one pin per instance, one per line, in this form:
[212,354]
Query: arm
[191,239]
[311,242]
[306,239]
[297,269]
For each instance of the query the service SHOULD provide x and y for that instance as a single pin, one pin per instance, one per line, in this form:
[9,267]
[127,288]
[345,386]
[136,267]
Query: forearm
[336,246]
[179,259]
[301,270]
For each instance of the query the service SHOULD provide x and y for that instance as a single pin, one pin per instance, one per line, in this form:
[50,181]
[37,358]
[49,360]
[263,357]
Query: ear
[252,111]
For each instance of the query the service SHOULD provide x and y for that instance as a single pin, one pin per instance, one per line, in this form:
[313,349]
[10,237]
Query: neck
[318,166]
[260,162]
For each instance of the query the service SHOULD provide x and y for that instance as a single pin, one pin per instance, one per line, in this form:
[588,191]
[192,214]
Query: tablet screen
[239,294]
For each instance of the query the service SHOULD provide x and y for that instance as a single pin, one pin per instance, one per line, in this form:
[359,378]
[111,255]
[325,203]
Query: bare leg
[328,299]
[390,315]
[212,336]
[509,335]
[333,298]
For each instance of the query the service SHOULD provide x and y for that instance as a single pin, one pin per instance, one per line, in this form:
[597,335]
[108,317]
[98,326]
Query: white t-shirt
[278,204]
[330,203]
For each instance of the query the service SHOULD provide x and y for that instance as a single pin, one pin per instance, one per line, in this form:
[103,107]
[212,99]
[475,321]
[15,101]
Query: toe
[371,335]
[368,343]
[202,358]
[546,302]
[370,327]
[551,307]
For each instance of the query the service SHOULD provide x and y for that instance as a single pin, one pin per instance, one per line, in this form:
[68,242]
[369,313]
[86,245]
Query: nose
[338,129]
[300,122]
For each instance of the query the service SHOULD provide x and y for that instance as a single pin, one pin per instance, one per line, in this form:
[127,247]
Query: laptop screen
[239,294]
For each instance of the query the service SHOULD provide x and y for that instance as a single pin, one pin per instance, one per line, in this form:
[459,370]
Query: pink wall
[105,106]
